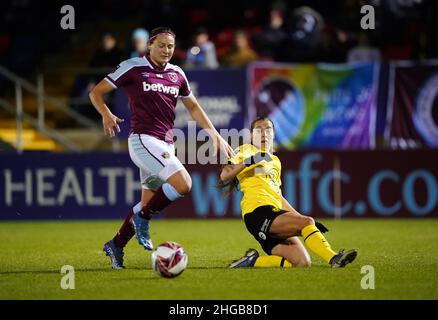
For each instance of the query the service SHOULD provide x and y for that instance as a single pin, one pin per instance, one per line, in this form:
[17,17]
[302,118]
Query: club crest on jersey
[165,155]
[172,76]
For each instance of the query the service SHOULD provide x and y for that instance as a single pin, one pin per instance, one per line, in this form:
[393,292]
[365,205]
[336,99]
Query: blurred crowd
[290,32]
[214,34]
[298,31]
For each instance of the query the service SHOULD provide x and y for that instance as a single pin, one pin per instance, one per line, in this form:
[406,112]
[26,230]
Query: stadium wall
[322,183]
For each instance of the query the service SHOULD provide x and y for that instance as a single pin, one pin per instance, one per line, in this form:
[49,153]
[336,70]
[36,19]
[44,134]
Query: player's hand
[111,122]
[258,157]
[223,147]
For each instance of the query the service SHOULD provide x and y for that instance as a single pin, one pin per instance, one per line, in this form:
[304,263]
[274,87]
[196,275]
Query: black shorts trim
[258,223]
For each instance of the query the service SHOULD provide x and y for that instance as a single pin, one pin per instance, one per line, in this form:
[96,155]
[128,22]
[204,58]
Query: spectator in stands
[203,53]
[305,36]
[422,49]
[107,57]
[334,44]
[268,42]
[140,39]
[108,54]
[363,52]
[241,52]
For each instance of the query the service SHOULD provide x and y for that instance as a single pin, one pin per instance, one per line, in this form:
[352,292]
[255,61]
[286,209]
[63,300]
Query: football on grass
[169,259]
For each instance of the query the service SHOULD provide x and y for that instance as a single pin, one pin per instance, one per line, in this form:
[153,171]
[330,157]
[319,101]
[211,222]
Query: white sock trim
[137,208]
[170,192]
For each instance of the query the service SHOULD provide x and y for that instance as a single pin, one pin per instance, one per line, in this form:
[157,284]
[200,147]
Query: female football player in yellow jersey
[268,216]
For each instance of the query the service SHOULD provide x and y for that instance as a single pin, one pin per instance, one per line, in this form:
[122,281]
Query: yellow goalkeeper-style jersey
[259,183]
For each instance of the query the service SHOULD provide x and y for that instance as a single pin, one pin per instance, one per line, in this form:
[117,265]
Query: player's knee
[184,187]
[188,185]
[303,263]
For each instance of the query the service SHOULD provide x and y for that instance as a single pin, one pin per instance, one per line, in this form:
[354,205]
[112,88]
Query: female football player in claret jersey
[153,86]
[268,216]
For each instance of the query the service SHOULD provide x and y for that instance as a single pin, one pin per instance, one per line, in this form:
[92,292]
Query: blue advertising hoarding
[320,183]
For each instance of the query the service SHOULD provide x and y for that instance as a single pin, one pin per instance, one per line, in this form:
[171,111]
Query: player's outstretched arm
[109,120]
[230,171]
[199,115]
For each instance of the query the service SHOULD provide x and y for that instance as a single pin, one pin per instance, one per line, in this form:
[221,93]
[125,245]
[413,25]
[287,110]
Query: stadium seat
[32,140]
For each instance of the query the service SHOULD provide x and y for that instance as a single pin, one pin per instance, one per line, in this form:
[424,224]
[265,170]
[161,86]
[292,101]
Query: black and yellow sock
[271,261]
[316,242]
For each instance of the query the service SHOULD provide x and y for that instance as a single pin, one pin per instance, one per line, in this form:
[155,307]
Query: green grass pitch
[403,253]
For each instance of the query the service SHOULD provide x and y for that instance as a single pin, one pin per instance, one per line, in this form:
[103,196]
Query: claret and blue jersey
[152,93]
